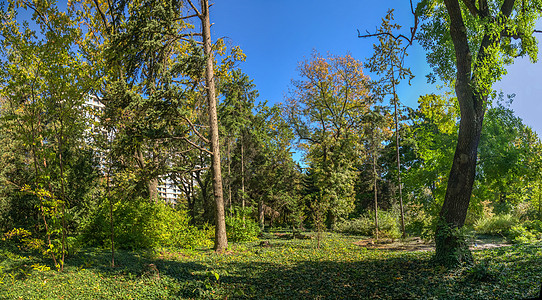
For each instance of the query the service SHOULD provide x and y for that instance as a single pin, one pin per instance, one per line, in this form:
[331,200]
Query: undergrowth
[281,269]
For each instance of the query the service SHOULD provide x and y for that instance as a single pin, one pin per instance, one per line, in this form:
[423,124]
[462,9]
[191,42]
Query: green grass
[289,269]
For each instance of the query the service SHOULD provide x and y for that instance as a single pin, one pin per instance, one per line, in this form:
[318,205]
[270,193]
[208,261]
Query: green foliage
[481,272]
[290,269]
[364,225]
[141,224]
[454,248]
[519,234]
[496,224]
[241,229]
[419,223]
[21,239]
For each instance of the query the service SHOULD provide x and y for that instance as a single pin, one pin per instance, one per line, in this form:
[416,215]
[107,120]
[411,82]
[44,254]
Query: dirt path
[417,244]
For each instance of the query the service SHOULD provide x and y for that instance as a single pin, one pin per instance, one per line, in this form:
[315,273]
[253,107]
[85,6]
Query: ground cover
[280,269]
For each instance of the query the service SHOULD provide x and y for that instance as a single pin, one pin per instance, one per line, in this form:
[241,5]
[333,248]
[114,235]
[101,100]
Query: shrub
[419,223]
[364,225]
[520,235]
[141,224]
[495,225]
[239,230]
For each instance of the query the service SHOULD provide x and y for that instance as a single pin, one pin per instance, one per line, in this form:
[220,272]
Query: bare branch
[413,30]
[195,130]
[195,9]
[186,17]
[197,146]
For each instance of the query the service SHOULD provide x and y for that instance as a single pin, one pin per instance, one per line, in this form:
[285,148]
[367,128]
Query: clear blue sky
[277,34]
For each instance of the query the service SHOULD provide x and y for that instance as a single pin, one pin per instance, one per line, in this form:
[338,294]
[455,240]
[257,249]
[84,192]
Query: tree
[469,43]
[388,62]
[434,130]
[45,84]
[325,110]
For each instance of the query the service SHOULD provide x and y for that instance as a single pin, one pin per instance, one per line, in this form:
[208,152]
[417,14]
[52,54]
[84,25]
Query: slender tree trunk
[398,156]
[221,240]
[62,191]
[375,189]
[261,215]
[111,220]
[229,178]
[243,178]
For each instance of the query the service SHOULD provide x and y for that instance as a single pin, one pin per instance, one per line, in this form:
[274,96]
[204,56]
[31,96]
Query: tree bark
[221,241]
[375,188]
[243,179]
[398,155]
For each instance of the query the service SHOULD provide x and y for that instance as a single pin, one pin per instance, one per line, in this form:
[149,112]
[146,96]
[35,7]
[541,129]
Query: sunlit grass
[285,269]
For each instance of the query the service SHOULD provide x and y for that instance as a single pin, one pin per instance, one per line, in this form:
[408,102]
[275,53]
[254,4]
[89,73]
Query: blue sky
[277,34]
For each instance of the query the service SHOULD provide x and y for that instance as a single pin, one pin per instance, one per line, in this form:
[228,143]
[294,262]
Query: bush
[520,235]
[419,223]
[140,224]
[238,230]
[496,224]
[364,225]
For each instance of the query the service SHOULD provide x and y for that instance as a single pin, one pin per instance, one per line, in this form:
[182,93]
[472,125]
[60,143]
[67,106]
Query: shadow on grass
[252,277]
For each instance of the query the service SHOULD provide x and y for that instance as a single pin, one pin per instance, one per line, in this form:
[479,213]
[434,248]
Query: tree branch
[471,5]
[196,131]
[198,14]
[197,146]
[102,15]
[413,30]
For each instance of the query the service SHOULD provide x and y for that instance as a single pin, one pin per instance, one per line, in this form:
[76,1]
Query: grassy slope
[286,270]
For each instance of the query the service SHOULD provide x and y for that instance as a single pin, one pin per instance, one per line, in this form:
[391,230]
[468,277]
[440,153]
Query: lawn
[284,269]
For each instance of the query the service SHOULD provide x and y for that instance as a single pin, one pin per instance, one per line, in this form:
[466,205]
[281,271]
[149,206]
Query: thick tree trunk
[451,247]
[221,241]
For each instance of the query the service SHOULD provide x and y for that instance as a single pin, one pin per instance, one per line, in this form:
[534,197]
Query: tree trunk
[153,190]
[398,156]
[451,247]
[261,215]
[221,240]
[243,179]
[375,190]
[229,204]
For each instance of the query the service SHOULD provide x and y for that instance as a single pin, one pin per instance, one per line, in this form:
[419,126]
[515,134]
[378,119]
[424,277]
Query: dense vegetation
[81,184]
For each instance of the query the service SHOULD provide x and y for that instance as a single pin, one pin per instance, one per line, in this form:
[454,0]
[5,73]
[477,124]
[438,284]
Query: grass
[288,269]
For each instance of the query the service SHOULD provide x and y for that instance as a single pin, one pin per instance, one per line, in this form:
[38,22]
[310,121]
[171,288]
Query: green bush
[239,230]
[520,235]
[496,224]
[364,225]
[419,223]
[141,224]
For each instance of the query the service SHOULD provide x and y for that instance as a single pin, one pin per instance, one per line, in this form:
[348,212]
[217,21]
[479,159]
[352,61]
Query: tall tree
[469,43]
[325,111]
[221,240]
[388,62]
